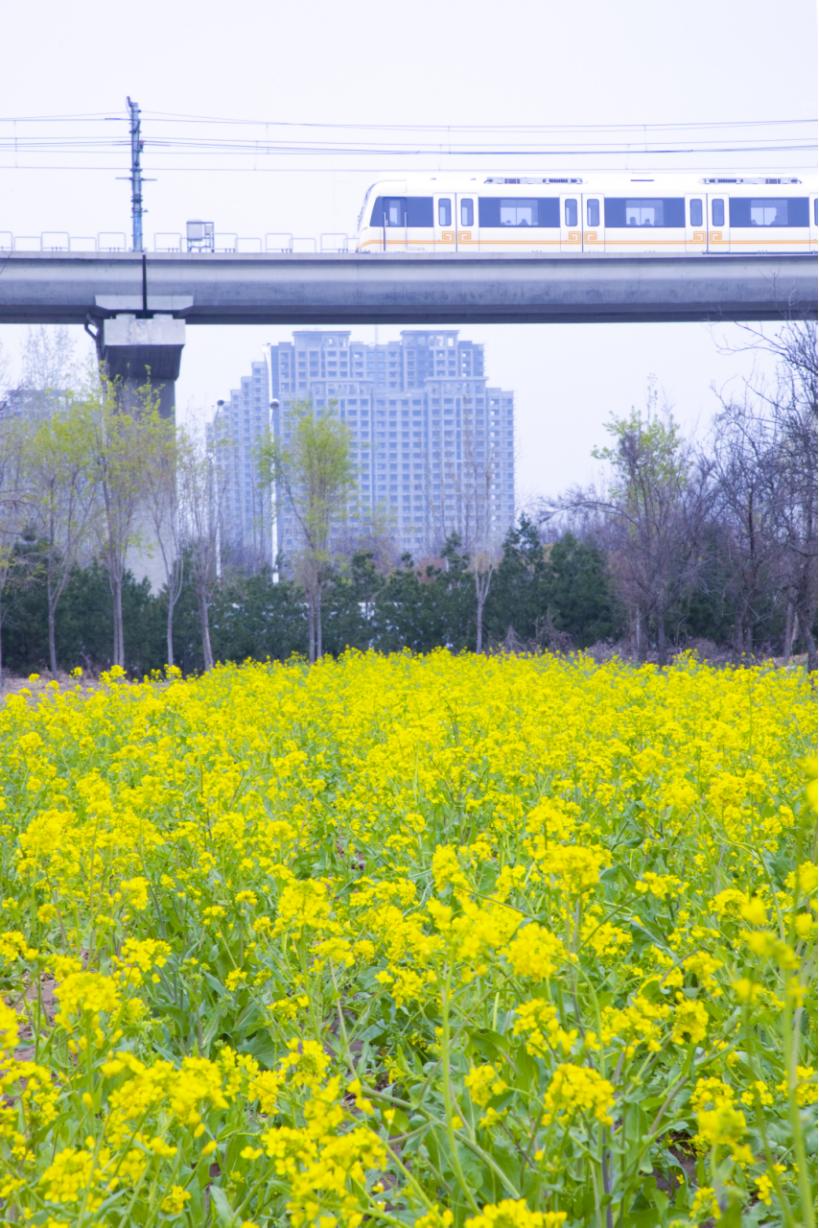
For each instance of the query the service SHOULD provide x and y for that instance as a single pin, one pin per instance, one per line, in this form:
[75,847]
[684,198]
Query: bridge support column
[139,351]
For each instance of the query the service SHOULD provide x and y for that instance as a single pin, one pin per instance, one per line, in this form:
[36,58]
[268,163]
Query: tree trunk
[204,623]
[638,634]
[319,644]
[52,638]
[169,632]
[483,580]
[791,626]
[662,642]
[119,631]
[311,629]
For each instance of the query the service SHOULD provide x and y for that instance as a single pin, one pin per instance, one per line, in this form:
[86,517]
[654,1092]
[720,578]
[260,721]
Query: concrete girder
[408,289]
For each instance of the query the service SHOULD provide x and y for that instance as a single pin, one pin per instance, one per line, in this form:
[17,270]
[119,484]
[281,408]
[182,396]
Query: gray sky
[480,64]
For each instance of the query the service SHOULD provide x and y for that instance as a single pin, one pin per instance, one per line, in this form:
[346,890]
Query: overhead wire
[543,141]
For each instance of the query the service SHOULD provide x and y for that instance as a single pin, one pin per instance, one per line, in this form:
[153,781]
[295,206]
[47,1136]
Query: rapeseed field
[509,942]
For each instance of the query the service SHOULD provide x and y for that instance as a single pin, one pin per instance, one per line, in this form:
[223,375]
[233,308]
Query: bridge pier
[139,351]
[143,354]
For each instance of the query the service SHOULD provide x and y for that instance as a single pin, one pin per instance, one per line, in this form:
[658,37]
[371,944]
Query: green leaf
[226,1217]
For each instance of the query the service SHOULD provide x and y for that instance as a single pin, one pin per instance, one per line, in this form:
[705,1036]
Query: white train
[602,215]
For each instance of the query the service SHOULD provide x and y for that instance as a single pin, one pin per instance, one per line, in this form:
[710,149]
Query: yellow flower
[577,1091]
[514,1213]
[175,1201]
[535,953]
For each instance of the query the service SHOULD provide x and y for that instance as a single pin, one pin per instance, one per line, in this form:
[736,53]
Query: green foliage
[581,592]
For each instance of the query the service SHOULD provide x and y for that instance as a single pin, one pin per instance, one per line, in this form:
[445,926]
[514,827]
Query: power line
[381,170]
[170,117]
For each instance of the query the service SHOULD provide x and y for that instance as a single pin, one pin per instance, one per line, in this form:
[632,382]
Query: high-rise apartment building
[432,447]
[244,504]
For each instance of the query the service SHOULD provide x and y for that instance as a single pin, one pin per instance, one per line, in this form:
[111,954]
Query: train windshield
[393,211]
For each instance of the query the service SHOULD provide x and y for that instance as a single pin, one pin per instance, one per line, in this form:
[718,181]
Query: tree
[50,362]
[312,475]
[654,514]
[766,449]
[518,602]
[122,452]
[62,497]
[14,509]
[164,449]
[199,518]
[581,597]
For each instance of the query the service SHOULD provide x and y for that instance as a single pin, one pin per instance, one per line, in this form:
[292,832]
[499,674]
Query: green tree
[580,589]
[312,476]
[62,497]
[519,600]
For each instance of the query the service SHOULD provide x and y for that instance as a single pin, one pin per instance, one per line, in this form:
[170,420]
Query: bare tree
[162,509]
[481,538]
[122,445]
[766,451]
[198,511]
[650,520]
[50,363]
[14,507]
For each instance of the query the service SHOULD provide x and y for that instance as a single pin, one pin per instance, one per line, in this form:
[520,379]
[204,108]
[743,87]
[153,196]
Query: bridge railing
[169,242]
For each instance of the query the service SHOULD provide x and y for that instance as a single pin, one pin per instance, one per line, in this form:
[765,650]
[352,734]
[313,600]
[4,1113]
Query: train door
[717,216]
[570,227]
[593,232]
[444,236]
[695,230]
[466,234]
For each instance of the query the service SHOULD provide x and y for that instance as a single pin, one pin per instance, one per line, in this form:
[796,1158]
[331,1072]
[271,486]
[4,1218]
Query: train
[591,216]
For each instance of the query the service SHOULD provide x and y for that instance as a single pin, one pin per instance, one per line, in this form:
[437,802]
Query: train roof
[604,182]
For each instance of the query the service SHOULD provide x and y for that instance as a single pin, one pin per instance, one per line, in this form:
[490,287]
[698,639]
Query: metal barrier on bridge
[172,242]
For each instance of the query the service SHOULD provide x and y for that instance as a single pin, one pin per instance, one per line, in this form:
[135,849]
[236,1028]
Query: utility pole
[136,176]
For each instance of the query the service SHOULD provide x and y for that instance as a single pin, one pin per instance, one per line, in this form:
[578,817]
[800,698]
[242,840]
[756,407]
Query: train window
[419,211]
[571,212]
[769,211]
[717,212]
[519,211]
[695,207]
[467,212]
[444,212]
[592,212]
[816,211]
[402,211]
[666,211]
